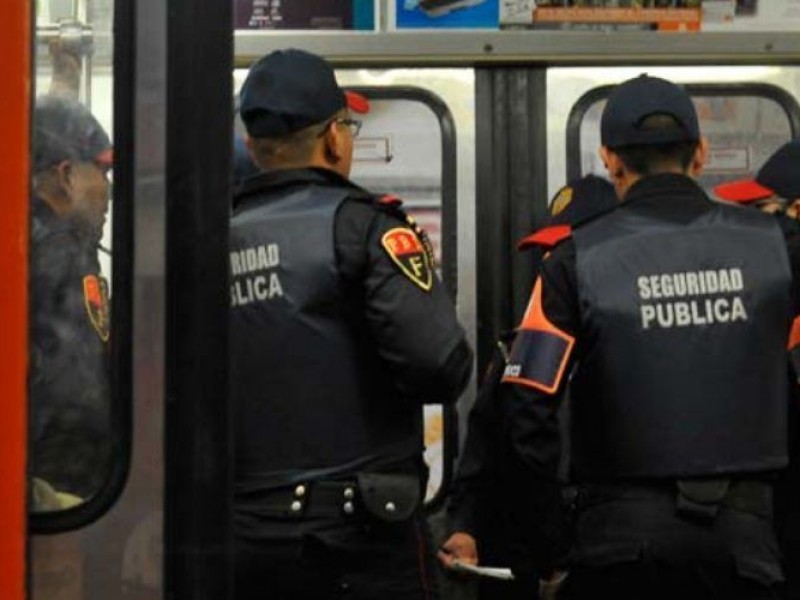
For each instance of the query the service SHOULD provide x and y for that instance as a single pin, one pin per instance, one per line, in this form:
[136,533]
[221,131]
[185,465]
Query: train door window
[407,148]
[74,437]
[744,124]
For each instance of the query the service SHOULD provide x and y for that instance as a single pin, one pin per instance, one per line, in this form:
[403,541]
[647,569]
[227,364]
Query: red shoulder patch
[95,296]
[409,253]
[390,200]
[546,237]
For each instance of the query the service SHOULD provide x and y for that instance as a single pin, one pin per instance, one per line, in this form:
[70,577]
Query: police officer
[477,515]
[341,331]
[674,310]
[70,437]
[776,185]
[776,189]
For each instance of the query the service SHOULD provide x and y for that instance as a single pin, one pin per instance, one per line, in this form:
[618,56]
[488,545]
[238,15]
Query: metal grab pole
[77,38]
[82,14]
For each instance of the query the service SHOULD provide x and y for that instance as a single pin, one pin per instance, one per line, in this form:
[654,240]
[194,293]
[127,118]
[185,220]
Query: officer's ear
[616,170]
[64,176]
[700,158]
[55,185]
[612,162]
[251,148]
[793,209]
[335,139]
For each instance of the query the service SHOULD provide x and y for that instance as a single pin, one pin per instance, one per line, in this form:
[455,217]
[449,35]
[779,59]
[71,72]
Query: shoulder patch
[546,237]
[95,297]
[408,252]
[390,200]
[561,201]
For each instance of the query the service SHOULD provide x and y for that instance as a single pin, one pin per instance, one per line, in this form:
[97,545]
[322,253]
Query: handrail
[550,48]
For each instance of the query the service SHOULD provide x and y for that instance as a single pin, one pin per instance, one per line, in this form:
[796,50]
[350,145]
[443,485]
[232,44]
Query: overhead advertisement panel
[445,14]
[674,15]
[304,14]
[651,15]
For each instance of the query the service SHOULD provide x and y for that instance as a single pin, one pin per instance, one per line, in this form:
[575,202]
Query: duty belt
[308,500]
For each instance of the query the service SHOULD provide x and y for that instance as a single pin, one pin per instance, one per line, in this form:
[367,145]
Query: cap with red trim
[572,205]
[289,90]
[66,130]
[780,176]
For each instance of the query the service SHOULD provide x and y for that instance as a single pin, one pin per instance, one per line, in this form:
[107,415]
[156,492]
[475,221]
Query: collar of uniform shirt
[288,177]
[672,195]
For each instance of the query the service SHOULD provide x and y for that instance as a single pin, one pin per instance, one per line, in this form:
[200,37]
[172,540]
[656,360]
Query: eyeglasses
[353,124]
[103,166]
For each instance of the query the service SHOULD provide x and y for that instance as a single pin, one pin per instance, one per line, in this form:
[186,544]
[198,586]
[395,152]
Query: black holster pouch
[701,499]
[389,497]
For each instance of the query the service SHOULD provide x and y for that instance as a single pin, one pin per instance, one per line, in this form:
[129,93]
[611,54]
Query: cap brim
[546,237]
[356,102]
[743,191]
[106,157]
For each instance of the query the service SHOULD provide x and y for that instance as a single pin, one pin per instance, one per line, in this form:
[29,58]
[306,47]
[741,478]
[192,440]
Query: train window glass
[744,123]
[72,441]
[401,127]
[407,148]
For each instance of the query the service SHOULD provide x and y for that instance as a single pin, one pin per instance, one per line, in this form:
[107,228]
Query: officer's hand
[459,546]
[549,586]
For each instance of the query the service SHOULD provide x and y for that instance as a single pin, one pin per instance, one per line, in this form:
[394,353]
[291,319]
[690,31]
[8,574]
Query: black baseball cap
[780,176]
[572,205]
[289,90]
[64,129]
[632,101]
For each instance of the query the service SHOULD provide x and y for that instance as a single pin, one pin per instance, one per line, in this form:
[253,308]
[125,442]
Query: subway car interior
[474,130]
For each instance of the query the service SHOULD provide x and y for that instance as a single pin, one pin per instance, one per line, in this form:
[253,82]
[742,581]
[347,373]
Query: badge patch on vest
[95,296]
[561,201]
[408,252]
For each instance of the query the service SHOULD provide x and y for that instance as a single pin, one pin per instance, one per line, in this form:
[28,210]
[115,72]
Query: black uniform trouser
[345,557]
[635,546]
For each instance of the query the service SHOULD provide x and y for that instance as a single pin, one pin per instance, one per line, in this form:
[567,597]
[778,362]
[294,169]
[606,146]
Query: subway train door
[15,42]
[153,521]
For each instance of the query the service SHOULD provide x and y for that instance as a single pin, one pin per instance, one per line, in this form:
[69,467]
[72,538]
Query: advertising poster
[304,14]
[751,15]
[450,14]
[651,15]
[662,15]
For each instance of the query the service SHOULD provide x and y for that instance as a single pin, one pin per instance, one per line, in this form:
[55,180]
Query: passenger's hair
[293,149]
[657,158]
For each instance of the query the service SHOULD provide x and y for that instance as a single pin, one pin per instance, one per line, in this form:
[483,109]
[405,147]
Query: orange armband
[541,351]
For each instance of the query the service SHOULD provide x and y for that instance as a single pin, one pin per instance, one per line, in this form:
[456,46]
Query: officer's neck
[624,179]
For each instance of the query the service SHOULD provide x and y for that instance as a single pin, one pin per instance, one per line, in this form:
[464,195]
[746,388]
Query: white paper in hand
[493,572]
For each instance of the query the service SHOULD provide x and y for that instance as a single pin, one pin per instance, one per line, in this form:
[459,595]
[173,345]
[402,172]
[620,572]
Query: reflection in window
[70,434]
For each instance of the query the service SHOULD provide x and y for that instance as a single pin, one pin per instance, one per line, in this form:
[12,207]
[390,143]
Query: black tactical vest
[313,399]
[684,372]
